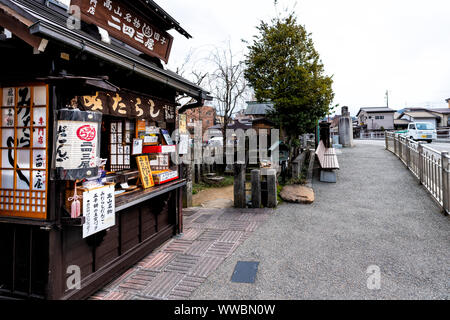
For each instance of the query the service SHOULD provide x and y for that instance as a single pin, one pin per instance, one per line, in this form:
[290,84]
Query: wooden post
[239,186]
[445,183]
[256,188]
[271,188]
[198,170]
[386,140]
[420,164]
[187,192]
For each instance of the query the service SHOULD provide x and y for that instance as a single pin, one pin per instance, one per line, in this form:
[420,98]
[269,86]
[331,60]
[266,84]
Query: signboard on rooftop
[126,25]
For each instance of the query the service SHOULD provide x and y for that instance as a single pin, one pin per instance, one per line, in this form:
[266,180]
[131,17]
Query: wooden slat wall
[24,262]
[133,226]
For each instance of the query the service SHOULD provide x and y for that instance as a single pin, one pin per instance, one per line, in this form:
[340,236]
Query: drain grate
[245,272]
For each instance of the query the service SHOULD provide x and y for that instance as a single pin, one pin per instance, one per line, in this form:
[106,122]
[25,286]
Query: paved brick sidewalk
[182,264]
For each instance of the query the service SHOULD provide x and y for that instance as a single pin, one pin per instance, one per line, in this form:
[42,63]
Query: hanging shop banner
[127,25]
[98,210]
[129,105]
[182,123]
[145,172]
[77,144]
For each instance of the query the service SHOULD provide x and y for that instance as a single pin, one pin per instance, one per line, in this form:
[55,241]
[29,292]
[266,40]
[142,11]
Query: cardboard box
[159,149]
[160,177]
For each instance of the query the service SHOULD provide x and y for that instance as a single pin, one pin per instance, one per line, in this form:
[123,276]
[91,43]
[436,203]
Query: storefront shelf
[73,222]
[139,196]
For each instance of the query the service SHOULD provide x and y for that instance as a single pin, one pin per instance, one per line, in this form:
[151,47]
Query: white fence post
[408,153]
[445,183]
[420,164]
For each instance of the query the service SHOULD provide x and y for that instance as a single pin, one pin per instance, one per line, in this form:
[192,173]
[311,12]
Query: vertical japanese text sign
[98,210]
[145,171]
[126,25]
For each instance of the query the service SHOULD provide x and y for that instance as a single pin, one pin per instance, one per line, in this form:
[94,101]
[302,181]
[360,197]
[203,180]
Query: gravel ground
[376,214]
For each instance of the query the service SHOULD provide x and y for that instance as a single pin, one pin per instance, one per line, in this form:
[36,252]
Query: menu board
[98,210]
[145,172]
[137,147]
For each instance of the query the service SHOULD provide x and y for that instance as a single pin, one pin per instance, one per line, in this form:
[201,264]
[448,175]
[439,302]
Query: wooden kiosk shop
[87,181]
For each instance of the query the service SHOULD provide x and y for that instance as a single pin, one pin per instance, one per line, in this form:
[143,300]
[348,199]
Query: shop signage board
[77,144]
[129,105]
[137,147]
[183,146]
[182,123]
[145,172]
[127,25]
[98,210]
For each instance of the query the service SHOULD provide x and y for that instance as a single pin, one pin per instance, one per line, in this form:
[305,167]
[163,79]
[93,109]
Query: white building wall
[375,124]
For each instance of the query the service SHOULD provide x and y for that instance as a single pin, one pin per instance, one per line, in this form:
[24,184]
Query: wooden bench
[328,162]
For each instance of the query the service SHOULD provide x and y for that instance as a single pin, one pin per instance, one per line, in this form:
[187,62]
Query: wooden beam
[19,27]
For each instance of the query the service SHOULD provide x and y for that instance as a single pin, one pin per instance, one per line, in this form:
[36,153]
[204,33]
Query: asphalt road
[376,215]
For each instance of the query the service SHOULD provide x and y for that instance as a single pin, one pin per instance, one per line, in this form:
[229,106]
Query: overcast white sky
[368,46]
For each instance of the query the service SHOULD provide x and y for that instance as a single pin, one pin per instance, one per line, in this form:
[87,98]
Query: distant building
[216,130]
[420,116]
[334,127]
[256,110]
[439,117]
[241,116]
[205,114]
[373,119]
[220,119]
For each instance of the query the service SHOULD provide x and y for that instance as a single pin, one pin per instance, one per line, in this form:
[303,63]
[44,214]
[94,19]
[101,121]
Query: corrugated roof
[441,110]
[401,121]
[258,108]
[420,114]
[375,110]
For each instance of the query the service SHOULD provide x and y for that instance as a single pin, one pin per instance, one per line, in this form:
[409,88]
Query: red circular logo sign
[86,133]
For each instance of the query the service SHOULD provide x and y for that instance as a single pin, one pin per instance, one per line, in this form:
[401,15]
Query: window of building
[121,138]
[23,156]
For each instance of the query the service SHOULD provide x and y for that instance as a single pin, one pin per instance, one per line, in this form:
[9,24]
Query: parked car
[216,141]
[421,131]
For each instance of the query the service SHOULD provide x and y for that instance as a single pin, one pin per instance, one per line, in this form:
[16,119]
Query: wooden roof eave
[117,56]
[18,25]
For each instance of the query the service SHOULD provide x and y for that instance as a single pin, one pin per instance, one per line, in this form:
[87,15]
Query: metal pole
[395,143]
[420,164]
[445,183]
[408,153]
[386,140]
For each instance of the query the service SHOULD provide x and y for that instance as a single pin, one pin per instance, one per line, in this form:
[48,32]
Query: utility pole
[387,98]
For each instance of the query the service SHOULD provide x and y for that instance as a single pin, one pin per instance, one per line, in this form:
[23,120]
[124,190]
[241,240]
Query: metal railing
[372,135]
[430,167]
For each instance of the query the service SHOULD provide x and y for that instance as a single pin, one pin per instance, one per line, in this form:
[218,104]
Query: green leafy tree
[283,66]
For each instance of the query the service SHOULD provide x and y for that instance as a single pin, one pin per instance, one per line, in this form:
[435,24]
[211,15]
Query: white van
[216,141]
[423,131]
